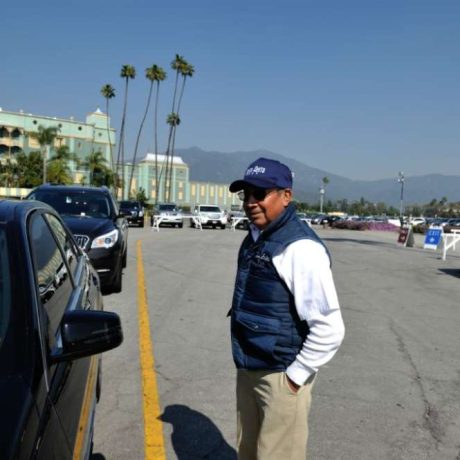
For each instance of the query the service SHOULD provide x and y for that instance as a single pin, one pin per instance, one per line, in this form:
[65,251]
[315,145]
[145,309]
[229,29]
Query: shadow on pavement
[451,271]
[96,457]
[358,241]
[195,435]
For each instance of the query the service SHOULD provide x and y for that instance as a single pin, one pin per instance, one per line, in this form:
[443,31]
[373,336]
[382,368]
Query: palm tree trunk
[139,136]
[157,187]
[108,135]
[121,146]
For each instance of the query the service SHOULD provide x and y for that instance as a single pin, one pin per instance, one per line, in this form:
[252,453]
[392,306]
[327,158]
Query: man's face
[266,205]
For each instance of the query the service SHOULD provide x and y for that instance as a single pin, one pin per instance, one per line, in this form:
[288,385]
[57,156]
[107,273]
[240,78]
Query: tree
[158,75]
[173,120]
[186,70]
[45,137]
[108,91]
[30,169]
[153,74]
[9,173]
[99,173]
[128,72]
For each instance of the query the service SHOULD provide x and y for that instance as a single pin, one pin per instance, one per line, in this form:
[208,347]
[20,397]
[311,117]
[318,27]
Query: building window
[180,196]
[34,122]
[202,190]
[181,184]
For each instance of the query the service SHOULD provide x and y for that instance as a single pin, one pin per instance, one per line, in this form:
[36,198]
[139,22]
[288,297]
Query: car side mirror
[88,332]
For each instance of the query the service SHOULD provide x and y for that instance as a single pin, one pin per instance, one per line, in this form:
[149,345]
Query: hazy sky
[361,89]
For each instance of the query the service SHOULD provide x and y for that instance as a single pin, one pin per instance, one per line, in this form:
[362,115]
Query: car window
[167,207]
[78,203]
[51,272]
[70,250]
[5,287]
[209,209]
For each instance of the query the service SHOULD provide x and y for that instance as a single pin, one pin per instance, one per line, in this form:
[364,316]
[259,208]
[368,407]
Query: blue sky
[361,89]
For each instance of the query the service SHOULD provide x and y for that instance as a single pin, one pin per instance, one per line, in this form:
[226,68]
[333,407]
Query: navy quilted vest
[267,332]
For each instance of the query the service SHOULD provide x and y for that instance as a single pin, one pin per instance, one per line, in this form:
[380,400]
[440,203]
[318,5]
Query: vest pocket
[257,336]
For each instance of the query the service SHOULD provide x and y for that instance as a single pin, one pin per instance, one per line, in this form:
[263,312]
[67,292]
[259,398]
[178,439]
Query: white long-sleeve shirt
[305,268]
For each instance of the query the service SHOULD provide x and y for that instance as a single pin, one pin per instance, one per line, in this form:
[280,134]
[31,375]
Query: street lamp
[401,181]
[322,192]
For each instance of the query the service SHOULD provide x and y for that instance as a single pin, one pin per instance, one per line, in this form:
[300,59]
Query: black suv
[133,211]
[100,229]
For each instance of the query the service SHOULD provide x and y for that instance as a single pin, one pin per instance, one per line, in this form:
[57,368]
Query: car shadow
[451,271]
[358,241]
[195,435]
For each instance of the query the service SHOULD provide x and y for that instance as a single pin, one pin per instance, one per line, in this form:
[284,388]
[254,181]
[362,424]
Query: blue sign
[432,238]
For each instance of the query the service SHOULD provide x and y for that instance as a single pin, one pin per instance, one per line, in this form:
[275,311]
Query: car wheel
[181,225]
[222,226]
[116,285]
[125,259]
[141,224]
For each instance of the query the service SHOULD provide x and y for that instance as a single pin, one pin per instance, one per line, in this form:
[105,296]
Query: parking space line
[153,428]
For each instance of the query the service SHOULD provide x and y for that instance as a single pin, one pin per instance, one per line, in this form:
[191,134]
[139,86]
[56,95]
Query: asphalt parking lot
[391,392]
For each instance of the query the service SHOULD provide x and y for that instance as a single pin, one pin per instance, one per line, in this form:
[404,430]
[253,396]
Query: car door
[61,275]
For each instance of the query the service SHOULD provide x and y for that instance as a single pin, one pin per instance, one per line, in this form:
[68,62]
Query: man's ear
[287,196]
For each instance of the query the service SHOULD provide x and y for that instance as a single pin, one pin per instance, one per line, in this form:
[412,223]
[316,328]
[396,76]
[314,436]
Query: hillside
[212,166]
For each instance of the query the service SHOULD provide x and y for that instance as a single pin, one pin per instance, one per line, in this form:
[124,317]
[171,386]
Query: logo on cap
[255,170]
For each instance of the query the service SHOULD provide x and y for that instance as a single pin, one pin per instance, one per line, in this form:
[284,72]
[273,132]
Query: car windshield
[75,203]
[209,209]
[5,287]
[167,207]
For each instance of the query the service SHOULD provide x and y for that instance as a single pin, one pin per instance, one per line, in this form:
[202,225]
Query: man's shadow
[195,436]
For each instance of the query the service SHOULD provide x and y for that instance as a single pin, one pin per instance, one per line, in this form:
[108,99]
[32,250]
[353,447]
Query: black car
[98,226]
[52,329]
[133,211]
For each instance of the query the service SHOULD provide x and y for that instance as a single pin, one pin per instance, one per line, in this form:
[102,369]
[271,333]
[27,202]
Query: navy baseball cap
[264,173]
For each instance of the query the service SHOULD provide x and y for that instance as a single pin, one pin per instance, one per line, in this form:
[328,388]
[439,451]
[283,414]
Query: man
[285,317]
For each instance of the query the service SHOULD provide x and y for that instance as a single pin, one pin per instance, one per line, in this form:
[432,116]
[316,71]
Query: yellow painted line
[85,415]
[153,428]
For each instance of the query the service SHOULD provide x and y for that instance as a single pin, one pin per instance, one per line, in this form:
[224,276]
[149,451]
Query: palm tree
[95,163]
[128,72]
[45,137]
[173,120]
[159,75]
[153,73]
[108,91]
[58,165]
[177,64]
[186,70]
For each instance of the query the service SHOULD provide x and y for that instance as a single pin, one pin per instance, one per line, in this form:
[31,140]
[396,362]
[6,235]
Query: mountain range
[220,167]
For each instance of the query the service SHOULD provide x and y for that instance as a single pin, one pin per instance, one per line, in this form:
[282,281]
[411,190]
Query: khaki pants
[272,420]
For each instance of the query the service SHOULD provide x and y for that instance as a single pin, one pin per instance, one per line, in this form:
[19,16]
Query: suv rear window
[167,207]
[209,209]
[75,203]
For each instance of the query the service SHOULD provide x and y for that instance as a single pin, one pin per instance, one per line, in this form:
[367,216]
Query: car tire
[125,259]
[223,226]
[117,282]
[141,224]
[181,225]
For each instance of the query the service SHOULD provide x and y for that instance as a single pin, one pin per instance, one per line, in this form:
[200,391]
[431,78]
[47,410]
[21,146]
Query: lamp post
[401,181]
[322,192]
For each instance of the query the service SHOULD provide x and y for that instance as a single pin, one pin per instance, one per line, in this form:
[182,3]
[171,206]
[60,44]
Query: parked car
[417,221]
[52,330]
[210,216]
[304,218]
[100,229]
[170,214]
[133,211]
